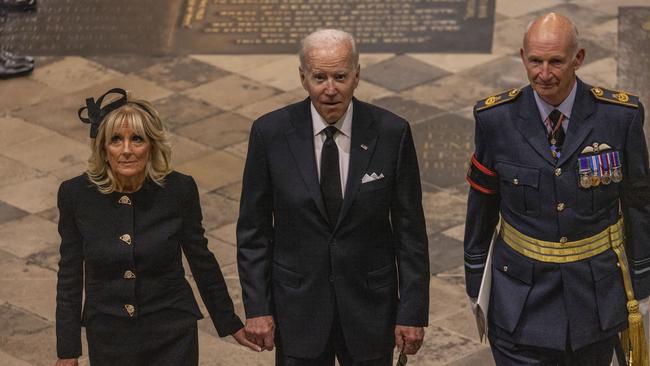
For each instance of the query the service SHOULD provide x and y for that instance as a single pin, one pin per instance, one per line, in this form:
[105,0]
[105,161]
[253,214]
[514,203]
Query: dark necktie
[330,176]
[556,137]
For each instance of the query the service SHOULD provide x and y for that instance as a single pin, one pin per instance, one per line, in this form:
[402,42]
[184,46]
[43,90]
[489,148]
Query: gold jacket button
[560,207]
[128,275]
[563,239]
[558,172]
[515,181]
[129,309]
[126,238]
[125,200]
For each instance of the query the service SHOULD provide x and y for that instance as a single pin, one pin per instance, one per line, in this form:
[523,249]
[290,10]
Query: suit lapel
[580,125]
[529,123]
[301,144]
[363,134]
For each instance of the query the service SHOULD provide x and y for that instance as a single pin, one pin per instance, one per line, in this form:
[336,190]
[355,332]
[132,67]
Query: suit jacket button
[129,309]
[128,275]
[558,172]
[331,278]
[560,207]
[505,268]
[515,181]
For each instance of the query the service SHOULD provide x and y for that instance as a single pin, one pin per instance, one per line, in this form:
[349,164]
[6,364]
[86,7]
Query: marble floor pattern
[209,103]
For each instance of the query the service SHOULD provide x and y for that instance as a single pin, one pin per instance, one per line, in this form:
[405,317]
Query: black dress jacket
[299,267]
[547,304]
[124,250]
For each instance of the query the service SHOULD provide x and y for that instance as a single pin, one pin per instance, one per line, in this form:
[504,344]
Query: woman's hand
[67,362]
[240,337]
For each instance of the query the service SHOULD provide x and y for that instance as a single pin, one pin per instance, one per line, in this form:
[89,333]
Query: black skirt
[164,338]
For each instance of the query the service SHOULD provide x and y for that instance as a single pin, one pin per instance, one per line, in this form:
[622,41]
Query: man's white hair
[325,38]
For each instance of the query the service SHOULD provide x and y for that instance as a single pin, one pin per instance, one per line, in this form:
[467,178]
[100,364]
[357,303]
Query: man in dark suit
[332,246]
[564,165]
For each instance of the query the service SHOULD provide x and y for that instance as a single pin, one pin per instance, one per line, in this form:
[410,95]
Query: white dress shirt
[565,108]
[342,139]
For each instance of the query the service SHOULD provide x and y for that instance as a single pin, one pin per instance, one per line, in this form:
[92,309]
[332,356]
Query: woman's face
[128,154]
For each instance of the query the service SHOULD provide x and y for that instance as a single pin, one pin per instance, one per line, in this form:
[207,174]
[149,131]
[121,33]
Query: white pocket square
[372,177]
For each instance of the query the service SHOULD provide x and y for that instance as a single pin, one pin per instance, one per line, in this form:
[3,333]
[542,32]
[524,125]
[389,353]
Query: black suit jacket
[295,266]
[547,304]
[96,255]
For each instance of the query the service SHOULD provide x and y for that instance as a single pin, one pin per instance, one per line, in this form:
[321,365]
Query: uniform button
[126,238]
[563,239]
[128,275]
[125,200]
[515,181]
[129,309]
[331,278]
[333,243]
[558,172]
[560,206]
[618,264]
[505,268]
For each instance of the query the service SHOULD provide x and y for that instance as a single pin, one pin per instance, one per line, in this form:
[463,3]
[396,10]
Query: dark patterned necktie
[557,132]
[556,137]
[330,176]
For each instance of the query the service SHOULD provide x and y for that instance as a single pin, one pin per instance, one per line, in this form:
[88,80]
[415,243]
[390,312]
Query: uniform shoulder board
[494,100]
[616,97]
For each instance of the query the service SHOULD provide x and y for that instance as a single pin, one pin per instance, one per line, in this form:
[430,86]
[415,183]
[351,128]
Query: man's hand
[67,362]
[408,339]
[240,337]
[643,306]
[261,331]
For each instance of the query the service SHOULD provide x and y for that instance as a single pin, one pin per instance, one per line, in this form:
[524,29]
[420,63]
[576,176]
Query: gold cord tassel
[633,338]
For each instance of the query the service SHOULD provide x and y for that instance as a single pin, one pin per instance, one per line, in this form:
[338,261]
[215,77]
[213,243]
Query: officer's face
[127,153]
[551,63]
[330,78]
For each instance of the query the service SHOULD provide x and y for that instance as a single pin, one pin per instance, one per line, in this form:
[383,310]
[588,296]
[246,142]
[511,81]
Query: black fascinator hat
[96,112]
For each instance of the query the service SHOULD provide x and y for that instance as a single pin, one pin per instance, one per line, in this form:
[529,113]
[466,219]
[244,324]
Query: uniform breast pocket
[519,187]
[593,199]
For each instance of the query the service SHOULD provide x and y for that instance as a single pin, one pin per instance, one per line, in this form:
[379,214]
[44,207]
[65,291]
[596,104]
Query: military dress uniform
[556,278]
[124,251]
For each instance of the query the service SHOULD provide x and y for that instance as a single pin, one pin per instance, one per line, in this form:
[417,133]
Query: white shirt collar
[344,124]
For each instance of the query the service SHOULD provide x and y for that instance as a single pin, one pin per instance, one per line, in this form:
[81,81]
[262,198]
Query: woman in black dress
[123,225]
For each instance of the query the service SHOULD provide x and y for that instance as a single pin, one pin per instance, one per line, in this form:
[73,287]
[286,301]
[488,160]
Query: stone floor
[208,103]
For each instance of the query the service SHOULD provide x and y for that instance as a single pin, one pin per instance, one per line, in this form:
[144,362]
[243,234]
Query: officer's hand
[261,331]
[67,362]
[408,339]
[240,337]
[643,306]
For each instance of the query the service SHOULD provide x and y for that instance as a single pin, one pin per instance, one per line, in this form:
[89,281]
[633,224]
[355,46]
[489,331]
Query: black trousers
[165,338]
[509,354]
[336,348]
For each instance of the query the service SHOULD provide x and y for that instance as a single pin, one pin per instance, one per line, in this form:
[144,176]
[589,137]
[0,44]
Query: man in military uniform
[562,167]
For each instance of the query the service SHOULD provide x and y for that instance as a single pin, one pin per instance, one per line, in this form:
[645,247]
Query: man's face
[330,78]
[551,64]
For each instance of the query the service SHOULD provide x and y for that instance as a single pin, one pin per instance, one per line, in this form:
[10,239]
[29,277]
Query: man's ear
[579,59]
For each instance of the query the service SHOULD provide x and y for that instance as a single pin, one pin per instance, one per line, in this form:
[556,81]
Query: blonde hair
[141,116]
